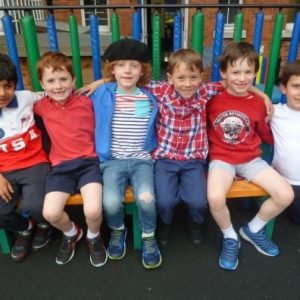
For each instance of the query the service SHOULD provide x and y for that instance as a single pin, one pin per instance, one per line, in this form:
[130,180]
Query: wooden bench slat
[244,188]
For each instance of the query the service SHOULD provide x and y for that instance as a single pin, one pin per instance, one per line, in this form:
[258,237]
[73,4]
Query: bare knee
[216,201]
[147,197]
[52,216]
[284,197]
[92,212]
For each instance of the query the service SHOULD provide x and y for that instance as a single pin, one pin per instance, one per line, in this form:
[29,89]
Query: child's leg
[92,206]
[166,188]
[219,181]
[218,184]
[115,181]
[294,208]
[281,196]
[195,197]
[54,213]
[280,191]
[142,180]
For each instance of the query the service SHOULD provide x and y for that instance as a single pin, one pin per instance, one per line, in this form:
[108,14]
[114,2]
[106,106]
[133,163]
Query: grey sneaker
[66,249]
[98,252]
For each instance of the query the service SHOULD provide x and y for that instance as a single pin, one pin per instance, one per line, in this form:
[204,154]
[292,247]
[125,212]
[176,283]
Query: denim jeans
[116,176]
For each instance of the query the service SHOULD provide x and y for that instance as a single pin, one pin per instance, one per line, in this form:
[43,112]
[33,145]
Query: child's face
[58,84]
[185,80]
[127,74]
[7,92]
[239,77]
[292,92]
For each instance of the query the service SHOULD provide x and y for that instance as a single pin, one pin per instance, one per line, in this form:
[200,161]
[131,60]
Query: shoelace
[66,241]
[116,237]
[230,249]
[261,239]
[149,245]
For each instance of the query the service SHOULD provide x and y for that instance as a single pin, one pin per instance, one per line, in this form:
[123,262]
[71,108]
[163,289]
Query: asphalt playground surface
[187,272]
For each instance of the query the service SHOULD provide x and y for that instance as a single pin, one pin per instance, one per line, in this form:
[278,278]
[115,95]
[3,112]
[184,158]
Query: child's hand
[90,88]
[5,189]
[269,108]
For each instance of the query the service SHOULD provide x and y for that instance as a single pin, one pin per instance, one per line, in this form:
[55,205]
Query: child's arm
[91,87]
[6,189]
[267,101]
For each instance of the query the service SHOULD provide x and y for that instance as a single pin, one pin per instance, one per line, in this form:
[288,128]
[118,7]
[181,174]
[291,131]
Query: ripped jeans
[116,176]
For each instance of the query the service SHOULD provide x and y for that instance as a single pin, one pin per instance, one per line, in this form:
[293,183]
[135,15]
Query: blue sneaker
[260,241]
[228,259]
[117,244]
[151,257]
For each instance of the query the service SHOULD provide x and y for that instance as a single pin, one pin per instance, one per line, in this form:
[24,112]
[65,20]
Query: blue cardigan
[104,102]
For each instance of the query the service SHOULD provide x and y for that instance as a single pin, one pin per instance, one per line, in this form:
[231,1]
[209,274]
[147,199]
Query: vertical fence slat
[12,47]
[274,53]
[52,36]
[75,49]
[198,32]
[177,31]
[95,46]
[156,46]
[137,25]
[32,48]
[238,27]
[115,27]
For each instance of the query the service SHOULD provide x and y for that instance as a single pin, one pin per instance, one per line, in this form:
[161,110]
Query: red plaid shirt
[181,123]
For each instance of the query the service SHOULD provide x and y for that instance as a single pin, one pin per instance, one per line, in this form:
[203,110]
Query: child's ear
[223,75]
[283,89]
[42,85]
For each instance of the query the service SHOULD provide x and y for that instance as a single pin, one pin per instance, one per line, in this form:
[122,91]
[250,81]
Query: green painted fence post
[238,27]
[31,48]
[156,46]
[75,49]
[198,32]
[274,53]
[115,27]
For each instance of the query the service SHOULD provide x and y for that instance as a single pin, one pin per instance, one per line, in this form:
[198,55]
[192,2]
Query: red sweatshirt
[236,127]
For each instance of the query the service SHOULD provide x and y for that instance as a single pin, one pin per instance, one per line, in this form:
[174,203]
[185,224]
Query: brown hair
[56,60]
[290,69]
[188,56]
[144,79]
[235,51]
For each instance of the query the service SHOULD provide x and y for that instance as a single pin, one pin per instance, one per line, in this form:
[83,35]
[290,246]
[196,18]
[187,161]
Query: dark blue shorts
[70,176]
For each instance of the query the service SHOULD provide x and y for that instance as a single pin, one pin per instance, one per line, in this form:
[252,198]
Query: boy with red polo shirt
[69,121]
[23,166]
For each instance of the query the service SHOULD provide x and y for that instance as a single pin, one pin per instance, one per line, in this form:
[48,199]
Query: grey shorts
[246,170]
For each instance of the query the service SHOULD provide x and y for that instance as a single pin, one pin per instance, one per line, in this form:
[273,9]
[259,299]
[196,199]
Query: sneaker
[260,241]
[98,253]
[66,249]
[228,259]
[42,236]
[22,245]
[151,257]
[195,232]
[163,230]
[117,244]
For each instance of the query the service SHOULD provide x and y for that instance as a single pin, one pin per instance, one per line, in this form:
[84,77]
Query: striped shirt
[129,125]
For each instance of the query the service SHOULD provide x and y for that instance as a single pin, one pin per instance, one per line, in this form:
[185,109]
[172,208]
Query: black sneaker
[22,245]
[98,252]
[195,232]
[42,236]
[163,231]
[66,249]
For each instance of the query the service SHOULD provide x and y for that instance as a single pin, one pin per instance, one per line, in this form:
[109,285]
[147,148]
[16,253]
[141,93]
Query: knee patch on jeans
[146,196]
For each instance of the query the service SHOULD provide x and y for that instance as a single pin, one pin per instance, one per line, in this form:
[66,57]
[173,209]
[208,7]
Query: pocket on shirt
[142,108]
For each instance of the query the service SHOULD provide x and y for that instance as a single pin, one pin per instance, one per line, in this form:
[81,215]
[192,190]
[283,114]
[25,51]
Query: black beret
[127,49]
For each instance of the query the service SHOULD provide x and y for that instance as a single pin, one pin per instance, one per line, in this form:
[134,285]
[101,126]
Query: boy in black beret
[125,117]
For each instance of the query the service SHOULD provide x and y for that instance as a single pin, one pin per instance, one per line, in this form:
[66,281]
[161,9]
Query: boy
[285,125]
[69,121]
[125,136]
[236,127]
[182,142]
[23,166]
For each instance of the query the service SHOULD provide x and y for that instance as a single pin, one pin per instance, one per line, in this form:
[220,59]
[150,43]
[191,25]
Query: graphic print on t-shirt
[232,126]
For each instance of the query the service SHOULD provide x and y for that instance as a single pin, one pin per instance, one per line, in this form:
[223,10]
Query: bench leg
[6,241]
[270,224]
[131,209]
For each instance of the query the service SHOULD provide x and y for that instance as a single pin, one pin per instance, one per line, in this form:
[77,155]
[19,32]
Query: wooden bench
[238,189]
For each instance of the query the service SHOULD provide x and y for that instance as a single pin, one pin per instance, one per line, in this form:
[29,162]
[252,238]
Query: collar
[12,104]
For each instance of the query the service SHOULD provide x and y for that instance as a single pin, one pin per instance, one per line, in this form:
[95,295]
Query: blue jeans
[116,176]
